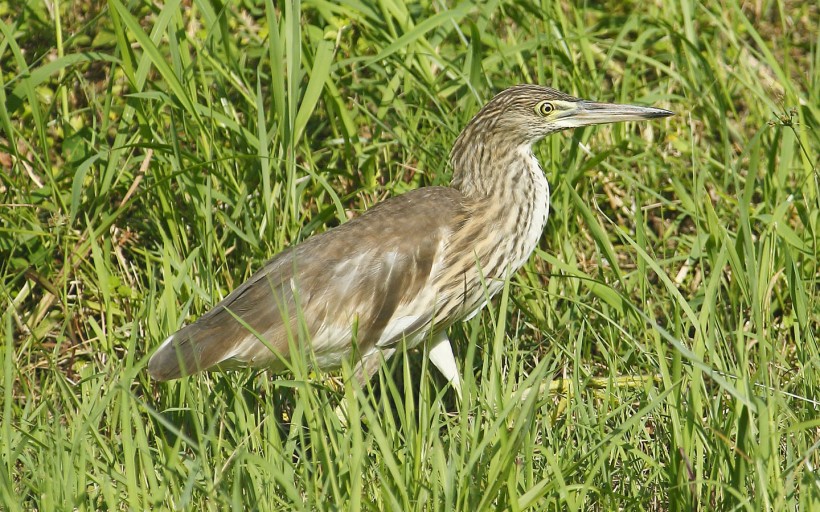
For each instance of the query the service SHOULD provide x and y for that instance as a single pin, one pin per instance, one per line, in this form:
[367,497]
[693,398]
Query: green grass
[153,158]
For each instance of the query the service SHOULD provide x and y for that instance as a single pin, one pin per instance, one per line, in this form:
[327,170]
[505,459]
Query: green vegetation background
[154,154]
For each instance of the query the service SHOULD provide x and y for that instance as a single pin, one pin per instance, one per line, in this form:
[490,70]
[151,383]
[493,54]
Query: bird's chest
[507,241]
[527,213]
[496,240]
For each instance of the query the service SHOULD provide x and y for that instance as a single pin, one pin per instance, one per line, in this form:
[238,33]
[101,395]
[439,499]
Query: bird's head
[528,113]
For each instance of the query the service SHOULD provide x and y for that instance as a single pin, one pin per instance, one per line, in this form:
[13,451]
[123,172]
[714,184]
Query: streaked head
[528,113]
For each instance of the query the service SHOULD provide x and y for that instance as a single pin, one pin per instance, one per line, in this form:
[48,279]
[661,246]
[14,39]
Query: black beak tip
[660,112]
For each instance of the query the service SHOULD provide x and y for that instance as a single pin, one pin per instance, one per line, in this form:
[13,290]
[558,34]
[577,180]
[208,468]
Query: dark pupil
[546,108]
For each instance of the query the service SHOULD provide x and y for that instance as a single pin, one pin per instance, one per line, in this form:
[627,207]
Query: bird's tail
[195,348]
[176,357]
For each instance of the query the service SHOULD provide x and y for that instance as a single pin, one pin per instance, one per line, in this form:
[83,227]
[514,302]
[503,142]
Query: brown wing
[372,275]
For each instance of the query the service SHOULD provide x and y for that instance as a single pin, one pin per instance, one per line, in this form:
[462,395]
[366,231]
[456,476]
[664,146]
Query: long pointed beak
[590,112]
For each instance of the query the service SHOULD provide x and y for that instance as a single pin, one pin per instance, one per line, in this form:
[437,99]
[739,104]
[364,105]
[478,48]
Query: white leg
[441,355]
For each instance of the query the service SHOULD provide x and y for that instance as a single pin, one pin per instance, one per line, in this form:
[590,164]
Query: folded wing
[345,293]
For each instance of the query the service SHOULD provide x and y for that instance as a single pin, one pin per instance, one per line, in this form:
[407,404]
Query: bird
[405,270]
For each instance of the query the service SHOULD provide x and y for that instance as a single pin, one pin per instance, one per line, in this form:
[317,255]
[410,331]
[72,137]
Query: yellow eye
[544,108]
